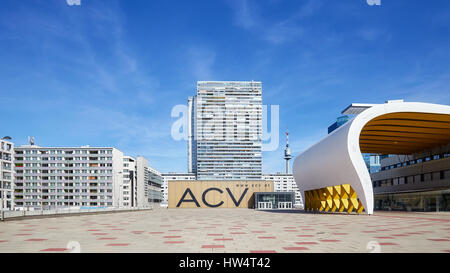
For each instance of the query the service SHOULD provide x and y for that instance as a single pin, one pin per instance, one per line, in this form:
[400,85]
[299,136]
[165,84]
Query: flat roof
[356,108]
[274,192]
[39,147]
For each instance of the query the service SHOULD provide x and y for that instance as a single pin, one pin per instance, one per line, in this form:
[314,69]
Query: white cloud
[247,16]
[308,9]
[200,62]
[373,34]
[283,32]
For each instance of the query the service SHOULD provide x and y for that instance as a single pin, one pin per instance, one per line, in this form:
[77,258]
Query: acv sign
[193,199]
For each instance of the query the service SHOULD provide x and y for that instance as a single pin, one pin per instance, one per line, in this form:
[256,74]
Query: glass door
[285,205]
[264,205]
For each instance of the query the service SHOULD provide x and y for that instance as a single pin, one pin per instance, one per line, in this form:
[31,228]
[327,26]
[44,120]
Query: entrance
[264,205]
[285,205]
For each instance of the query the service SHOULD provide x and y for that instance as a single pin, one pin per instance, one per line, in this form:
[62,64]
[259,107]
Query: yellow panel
[395,139]
[335,198]
[368,126]
[170,190]
[405,133]
[408,123]
[417,116]
[360,207]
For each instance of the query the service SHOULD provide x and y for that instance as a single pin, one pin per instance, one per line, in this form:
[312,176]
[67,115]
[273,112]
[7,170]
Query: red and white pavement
[229,230]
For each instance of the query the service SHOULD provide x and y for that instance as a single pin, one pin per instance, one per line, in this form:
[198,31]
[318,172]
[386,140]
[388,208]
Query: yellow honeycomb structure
[341,198]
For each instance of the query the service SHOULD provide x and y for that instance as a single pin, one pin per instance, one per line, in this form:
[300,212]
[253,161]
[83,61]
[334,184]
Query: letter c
[208,204]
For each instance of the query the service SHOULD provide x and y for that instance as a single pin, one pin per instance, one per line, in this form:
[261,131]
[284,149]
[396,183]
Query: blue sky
[107,73]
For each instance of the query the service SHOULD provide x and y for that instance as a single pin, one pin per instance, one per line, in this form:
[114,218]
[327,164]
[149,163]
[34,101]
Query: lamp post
[119,187]
[1,203]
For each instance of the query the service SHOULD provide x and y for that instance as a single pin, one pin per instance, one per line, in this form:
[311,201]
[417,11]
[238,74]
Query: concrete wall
[117,176]
[142,180]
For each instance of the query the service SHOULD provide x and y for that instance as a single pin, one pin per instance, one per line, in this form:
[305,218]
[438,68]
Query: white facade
[285,183]
[142,178]
[149,183]
[337,158]
[225,131]
[171,177]
[129,186]
[6,174]
[59,177]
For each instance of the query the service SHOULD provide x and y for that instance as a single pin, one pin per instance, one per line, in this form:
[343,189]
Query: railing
[24,213]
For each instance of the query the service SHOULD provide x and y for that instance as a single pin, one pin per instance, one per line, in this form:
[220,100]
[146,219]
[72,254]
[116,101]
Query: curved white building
[395,127]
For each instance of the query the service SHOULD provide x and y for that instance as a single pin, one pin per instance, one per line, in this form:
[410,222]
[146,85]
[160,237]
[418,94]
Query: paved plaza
[230,231]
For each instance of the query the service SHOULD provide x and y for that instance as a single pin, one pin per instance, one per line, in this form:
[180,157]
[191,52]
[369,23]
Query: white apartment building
[149,183]
[6,174]
[61,177]
[171,177]
[225,130]
[128,187]
[283,182]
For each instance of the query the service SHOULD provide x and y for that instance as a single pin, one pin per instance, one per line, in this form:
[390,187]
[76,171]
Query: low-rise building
[128,189]
[149,183]
[172,176]
[283,182]
[6,174]
[59,177]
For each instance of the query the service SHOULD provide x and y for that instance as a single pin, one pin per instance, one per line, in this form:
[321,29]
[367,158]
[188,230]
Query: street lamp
[1,202]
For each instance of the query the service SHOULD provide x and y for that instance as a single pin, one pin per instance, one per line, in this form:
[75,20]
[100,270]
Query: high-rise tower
[225,131]
[287,152]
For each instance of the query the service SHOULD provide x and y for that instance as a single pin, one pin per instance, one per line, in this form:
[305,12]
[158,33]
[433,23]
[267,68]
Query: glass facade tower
[225,131]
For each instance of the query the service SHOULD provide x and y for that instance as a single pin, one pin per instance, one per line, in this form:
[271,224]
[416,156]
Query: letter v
[240,199]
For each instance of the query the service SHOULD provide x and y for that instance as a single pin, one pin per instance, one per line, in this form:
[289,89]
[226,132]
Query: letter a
[189,200]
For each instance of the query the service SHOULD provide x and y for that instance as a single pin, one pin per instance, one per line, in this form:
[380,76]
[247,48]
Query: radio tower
[287,152]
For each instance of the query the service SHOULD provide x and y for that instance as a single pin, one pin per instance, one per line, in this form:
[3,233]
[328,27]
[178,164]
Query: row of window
[63,171]
[416,161]
[59,184]
[68,204]
[52,165]
[62,191]
[432,176]
[64,177]
[64,152]
[5,156]
[6,146]
[53,158]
